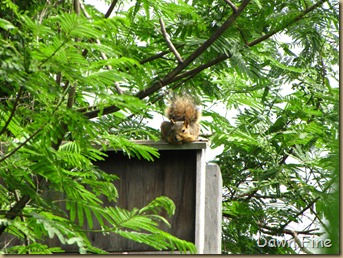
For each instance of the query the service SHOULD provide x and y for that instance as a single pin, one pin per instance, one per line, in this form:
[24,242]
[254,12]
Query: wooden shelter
[181,174]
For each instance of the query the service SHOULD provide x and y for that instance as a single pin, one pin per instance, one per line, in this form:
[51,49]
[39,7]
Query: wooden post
[200,202]
[213,210]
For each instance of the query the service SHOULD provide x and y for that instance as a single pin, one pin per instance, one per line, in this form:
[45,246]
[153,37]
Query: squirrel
[184,119]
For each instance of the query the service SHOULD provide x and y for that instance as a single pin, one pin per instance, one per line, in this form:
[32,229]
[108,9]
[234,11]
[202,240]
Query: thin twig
[201,67]
[72,90]
[159,55]
[299,17]
[242,35]
[13,110]
[274,230]
[4,212]
[169,43]
[118,89]
[83,9]
[21,145]
[110,9]
[54,53]
[233,7]
[77,7]
[297,240]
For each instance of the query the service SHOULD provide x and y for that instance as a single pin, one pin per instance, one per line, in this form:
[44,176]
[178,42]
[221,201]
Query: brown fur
[183,108]
[184,121]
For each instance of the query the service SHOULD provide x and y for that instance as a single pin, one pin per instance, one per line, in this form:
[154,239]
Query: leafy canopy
[70,73]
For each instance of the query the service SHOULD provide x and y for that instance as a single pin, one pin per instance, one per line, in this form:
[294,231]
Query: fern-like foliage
[49,186]
[72,78]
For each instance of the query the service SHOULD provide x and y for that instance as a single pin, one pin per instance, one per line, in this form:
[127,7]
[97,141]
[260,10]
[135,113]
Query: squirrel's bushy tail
[183,108]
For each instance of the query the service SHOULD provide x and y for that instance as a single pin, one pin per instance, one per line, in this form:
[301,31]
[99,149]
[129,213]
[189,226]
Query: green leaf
[6,25]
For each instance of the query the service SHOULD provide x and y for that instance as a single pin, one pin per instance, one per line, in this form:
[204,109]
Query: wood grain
[172,175]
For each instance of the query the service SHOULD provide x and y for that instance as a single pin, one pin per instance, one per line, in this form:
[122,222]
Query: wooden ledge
[163,145]
[160,145]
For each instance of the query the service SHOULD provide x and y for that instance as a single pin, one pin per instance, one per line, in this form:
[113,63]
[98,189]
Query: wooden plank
[172,175]
[213,207]
[200,202]
[163,145]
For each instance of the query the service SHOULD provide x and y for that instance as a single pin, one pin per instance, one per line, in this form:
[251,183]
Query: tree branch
[71,96]
[13,110]
[110,9]
[147,60]
[299,17]
[274,230]
[4,212]
[169,43]
[233,7]
[168,78]
[77,7]
[21,145]
[72,90]
[297,240]
[201,67]
[21,203]
[159,55]
[16,209]
[160,96]
[309,205]
[198,51]
[242,35]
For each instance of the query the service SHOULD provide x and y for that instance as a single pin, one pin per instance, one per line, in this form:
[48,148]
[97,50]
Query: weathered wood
[180,174]
[163,145]
[200,201]
[172,175]
[213,212]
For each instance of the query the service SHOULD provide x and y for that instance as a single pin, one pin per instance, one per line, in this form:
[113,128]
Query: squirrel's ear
[185,123]
[172,121]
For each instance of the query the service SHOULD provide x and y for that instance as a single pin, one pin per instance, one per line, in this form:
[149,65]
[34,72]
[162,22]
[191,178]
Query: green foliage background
[70,73]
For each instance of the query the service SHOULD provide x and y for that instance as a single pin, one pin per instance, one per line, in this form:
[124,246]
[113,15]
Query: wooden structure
[180,174]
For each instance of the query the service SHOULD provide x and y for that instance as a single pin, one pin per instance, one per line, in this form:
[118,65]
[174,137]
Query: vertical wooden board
[213,206]
[200,202]
[172,175]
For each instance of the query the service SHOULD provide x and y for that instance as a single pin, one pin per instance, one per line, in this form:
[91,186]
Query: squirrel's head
[180,129]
